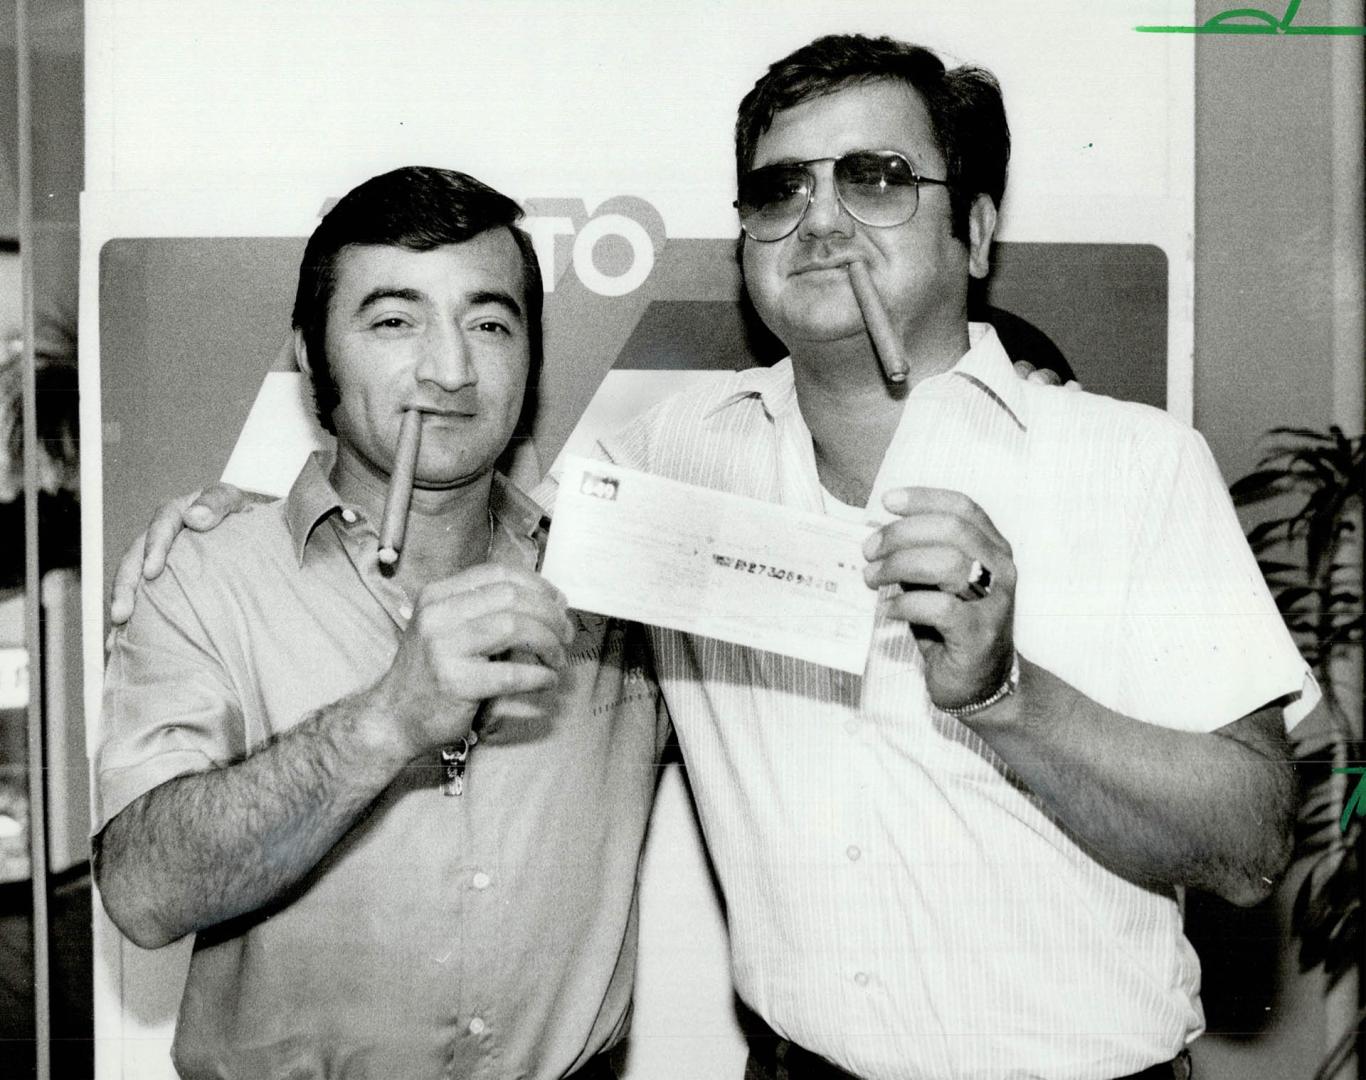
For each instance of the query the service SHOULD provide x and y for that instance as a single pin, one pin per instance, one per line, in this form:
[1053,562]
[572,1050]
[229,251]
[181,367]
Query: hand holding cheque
[642,547]
[770,577]
[957,579]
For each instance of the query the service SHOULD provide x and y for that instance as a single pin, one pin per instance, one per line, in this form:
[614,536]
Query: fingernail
[198,515]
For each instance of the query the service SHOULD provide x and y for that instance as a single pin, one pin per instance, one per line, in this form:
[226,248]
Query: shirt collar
[312,498]
[773,386]
[985,366]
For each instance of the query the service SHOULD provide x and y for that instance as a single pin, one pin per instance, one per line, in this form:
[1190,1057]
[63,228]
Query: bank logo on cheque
[599,486]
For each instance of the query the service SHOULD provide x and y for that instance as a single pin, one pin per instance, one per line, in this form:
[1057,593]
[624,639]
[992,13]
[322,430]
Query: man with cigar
[966,862]
[401,807]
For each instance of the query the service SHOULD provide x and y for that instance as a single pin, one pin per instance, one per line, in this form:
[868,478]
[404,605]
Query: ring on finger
[978,585]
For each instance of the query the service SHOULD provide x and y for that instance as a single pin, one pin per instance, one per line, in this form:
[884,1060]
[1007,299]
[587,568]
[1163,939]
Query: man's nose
[445,358]
[825,215]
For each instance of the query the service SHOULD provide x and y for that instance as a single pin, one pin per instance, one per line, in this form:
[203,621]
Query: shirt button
[851,727]
[860,977]
[853,852]
[406,610]
[476,1026]
[481,880]
[349,516]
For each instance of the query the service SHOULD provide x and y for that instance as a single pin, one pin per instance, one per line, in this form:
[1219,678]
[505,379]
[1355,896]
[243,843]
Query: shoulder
[242,542]
[688,422]
[1128,460]
[707,399]
[1108,427]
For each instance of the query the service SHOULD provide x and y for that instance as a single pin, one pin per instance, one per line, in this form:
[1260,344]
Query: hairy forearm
[1158,805]
[200,849]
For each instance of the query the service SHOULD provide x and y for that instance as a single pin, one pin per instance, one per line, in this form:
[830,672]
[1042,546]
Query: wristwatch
[1012,683]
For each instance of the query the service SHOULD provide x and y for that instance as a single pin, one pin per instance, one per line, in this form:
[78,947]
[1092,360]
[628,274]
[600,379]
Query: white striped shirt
[898,901]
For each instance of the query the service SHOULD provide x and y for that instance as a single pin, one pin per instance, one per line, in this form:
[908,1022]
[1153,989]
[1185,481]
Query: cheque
[657,551]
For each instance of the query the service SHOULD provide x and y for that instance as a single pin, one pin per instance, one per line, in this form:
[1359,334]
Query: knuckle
[503,624]
[503,594]
[424,621]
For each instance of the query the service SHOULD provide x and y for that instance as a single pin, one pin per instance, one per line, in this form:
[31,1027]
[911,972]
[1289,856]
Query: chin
[818,327]
[449,481]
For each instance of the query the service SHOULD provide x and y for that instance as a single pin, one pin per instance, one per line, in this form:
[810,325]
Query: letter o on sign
[642,255]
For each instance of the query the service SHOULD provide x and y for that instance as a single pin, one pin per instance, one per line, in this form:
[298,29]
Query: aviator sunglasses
[878,187]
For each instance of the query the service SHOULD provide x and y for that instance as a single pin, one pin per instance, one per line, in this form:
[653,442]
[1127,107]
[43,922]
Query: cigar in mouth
[885,343]
[395,521]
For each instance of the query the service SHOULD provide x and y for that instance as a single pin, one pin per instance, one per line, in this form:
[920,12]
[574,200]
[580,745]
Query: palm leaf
[1311,482]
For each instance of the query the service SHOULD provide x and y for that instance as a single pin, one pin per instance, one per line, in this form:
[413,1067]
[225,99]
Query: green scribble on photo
[1354,804]
[1262,22]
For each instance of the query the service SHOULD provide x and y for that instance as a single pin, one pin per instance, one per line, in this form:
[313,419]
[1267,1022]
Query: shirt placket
[474,1046]
[360,541]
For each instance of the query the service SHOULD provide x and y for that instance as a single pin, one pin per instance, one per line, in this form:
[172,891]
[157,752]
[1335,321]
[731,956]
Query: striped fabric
[898,902]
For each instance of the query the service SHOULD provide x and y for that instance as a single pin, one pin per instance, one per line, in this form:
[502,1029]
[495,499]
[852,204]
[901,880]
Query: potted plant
[1309,551]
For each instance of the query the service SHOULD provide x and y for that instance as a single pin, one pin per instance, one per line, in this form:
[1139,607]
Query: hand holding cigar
[395,521]
[885,342]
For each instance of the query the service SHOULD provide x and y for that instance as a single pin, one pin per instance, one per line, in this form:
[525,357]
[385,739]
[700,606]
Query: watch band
[1012,683]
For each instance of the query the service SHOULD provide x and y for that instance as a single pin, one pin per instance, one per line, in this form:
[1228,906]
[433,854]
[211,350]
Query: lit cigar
[879,326]
[395,521]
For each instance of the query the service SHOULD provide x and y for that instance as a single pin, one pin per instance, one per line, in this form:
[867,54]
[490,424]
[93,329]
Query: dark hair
[418,208]
[967,115]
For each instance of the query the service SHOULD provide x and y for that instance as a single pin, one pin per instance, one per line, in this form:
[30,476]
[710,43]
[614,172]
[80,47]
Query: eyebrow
[416,296]
[497,297]
[390,292]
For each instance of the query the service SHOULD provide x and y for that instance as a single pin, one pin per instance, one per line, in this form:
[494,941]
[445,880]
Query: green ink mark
[1355,803]
[1263,22]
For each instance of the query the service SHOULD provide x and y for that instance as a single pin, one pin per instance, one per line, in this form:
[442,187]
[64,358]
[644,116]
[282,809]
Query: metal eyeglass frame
[805,166]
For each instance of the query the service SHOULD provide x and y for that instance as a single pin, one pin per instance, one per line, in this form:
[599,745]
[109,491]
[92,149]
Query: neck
[852,410]
[851,428]
[928,348]
[448,529]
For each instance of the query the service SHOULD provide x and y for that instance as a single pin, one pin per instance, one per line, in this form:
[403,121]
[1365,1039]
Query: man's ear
[981,229]
[301,354]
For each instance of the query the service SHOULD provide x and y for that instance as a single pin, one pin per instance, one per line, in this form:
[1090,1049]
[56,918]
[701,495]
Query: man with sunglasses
[965,863]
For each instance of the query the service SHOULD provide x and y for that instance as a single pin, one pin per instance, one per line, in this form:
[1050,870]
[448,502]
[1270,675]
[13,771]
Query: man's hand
[146,556]
[453,656]
[967,639]
[1047,376]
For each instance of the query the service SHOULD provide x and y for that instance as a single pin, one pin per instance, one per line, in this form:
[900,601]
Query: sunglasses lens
[877,187]
[772,200]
